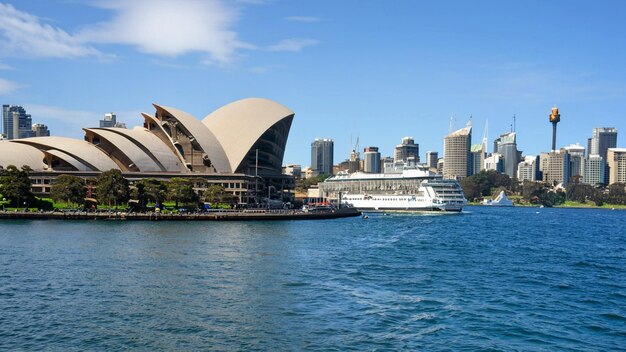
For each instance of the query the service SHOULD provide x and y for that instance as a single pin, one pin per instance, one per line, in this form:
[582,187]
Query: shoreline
[242,215]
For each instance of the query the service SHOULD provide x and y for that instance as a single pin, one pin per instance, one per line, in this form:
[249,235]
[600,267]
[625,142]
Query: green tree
[68,188]
[217,194]
[181,190]
[471,188]
[15,185]
[112,187]
[150,190]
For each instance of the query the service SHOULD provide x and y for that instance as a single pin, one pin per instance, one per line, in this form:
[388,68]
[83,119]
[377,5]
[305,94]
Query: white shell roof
[153,145]
[207,140]
[20,154]
[138,156]
[68,159]
[240,124]
[82,151]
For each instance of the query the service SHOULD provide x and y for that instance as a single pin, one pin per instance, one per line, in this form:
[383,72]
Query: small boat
[500,201]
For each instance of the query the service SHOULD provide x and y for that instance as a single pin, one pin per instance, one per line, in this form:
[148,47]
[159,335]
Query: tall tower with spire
[555,118]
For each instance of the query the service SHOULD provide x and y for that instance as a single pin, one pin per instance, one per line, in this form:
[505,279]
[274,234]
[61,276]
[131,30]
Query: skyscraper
[528,169]
[16,123]
[595,170]
[577,160]
[371,157]
[478,158]
[556,167]
[506,145]
[406,150]
[322,156]
[456,153]
[431,159]
[602,139]
[616,159]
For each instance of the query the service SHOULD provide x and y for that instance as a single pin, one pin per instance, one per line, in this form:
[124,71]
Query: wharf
[224,215]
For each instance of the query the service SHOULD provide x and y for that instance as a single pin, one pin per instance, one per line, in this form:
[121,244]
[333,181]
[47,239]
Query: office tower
[371,157]
[41,130]
[494,162]
[386,164]
[602,139]
[110,120]
[577,160]
[478,158]
[407,149]
[322,156]
[456,153]
[16,123]
[355,161]
[595,170]
[557,167]
[528,169]
[616,159]
[506,145]
[554,118]
[431,159]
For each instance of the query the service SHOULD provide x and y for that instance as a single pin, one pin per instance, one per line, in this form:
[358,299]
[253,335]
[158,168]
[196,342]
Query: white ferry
[415,189]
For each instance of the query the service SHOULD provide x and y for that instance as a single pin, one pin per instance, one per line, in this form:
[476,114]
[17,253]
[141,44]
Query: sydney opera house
[239,146]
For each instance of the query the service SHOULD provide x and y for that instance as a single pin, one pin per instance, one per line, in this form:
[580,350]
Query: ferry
[415,189]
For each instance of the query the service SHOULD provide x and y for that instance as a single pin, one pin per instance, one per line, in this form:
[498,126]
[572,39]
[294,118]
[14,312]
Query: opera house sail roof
[226,141]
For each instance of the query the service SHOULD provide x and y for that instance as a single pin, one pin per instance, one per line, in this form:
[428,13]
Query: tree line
[489,182]
[109,188]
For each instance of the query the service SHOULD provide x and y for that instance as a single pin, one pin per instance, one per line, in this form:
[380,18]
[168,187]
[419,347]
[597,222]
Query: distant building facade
[616,160]
[594,170]
[602,139]
[294,170]
[506,145]
[407,150]
[109,120]
[371,158]
[322,156]
[528,169]
[16,123]
[494,162]
[556,167]
[41,130]
[457,153]
[478,158]
[431,159]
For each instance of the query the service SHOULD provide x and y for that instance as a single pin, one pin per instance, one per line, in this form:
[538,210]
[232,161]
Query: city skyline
[346,68]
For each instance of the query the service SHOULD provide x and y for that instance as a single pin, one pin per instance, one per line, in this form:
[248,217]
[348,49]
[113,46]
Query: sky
[372,70]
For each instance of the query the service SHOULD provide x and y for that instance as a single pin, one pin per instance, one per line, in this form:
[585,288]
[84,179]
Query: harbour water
[485,279]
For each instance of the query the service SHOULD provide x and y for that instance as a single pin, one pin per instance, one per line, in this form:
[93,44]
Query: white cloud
[26,35]
[306,19]
[7,86]
[170,28]
[293,45]
[46,113]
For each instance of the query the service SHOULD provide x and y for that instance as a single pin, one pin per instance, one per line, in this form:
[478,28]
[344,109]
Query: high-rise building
[528,169]
[371,157]
[457,153]
[616,159]
[16,123]
[506,145]
[41,130]
[577,160]
[322,156]
[602,139]
[557,167]
[431,159]
[406,150]
[110,120]
[594,170]
[478,158]
[354,163]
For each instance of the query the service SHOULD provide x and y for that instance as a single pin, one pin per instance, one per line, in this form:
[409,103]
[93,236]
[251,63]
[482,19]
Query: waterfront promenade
[217,215]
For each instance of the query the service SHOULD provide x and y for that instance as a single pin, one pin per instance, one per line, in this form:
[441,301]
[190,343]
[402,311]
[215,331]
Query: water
[487,279]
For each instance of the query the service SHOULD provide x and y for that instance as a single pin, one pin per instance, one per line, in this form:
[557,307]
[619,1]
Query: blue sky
[379,70]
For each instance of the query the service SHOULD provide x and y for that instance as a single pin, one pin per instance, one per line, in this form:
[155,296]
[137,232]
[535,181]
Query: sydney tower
[555,118]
